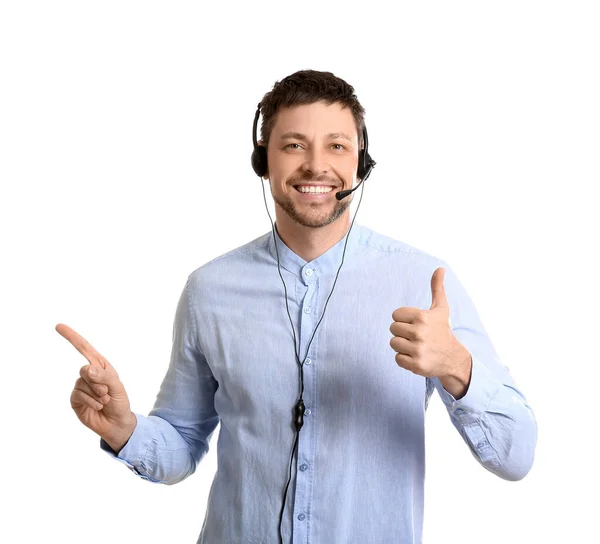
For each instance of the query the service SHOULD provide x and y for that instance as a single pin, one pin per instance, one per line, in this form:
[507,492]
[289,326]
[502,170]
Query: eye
[340,146]
[288,145]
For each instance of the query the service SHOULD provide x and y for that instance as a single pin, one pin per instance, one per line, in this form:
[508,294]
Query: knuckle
[76,398]
[79,383]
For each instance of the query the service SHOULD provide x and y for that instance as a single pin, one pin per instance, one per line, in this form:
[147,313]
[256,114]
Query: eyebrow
[299,136]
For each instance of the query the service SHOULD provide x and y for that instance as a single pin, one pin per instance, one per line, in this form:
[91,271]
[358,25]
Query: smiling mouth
[323,189]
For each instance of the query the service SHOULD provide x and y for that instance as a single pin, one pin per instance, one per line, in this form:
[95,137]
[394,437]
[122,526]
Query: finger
[405,361]
[92,391]
[403,346]
[405,330]
[96,376]
[438,293]
[81,345]
[406,314]
[78,397]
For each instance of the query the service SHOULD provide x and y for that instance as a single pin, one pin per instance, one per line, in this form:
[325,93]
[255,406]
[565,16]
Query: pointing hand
[99,398]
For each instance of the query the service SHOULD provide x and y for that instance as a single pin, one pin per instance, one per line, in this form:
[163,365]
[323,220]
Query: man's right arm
[167,445]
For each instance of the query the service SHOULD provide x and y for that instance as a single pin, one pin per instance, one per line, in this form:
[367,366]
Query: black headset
[259,164]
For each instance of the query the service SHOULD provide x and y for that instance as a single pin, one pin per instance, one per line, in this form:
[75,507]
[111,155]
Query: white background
[125,142]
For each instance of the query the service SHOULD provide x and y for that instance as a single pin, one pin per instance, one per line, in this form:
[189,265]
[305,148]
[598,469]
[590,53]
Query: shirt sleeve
[167,445]
[493,417]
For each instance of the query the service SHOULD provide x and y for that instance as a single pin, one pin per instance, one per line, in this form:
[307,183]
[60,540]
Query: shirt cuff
[482,388]
[137,454]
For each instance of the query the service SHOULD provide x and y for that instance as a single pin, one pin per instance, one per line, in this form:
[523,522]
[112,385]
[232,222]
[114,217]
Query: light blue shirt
[358,476]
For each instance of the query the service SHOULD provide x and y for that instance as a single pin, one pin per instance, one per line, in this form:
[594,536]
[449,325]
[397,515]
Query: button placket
[308,321]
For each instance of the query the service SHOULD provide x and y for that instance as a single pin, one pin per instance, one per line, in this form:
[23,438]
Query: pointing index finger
[81,345]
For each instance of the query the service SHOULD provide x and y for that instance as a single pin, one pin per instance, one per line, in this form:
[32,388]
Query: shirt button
[303,467]
[308,361]
[302,516]
[309,272]
[307,310]
[307,412]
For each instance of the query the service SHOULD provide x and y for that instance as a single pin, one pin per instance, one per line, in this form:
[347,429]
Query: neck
[310,243]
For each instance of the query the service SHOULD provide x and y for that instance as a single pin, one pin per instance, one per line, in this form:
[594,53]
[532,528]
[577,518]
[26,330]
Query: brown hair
[306,87]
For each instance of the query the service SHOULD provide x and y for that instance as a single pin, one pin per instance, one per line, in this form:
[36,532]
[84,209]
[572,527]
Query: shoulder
[232,263]
[376,244]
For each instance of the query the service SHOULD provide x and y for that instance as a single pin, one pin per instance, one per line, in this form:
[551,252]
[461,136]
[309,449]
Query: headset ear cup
[360,171]
[259,160]
[365,162]
[365,165]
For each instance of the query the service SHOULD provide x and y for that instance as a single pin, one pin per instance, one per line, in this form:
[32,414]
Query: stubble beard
[315,215]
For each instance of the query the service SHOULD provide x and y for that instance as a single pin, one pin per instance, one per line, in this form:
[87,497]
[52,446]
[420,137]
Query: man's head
[312,129]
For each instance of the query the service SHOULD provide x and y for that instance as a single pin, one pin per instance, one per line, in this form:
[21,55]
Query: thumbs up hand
[424,341]
[98,397]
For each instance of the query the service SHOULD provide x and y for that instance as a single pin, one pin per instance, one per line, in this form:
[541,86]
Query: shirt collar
[327,262]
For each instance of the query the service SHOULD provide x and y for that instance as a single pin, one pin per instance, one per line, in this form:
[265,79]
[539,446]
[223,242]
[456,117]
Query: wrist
[117,439]
[457,381]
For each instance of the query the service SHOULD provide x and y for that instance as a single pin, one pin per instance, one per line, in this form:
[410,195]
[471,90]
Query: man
[322,413]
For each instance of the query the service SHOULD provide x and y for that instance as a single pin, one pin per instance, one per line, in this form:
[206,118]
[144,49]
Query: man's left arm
[483,401]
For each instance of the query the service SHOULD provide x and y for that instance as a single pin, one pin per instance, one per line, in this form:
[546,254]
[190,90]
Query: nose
[316,162]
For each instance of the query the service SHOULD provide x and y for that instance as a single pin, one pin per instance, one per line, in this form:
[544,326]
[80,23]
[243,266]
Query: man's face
[312,144]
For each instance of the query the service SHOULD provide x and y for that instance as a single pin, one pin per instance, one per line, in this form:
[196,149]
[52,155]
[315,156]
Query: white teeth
[315,189]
